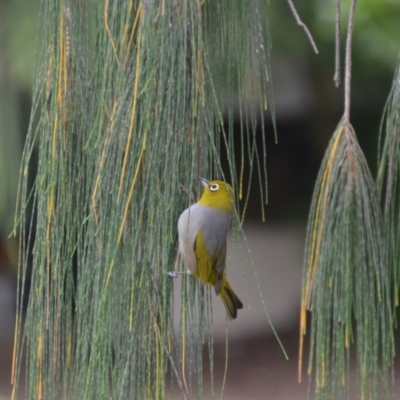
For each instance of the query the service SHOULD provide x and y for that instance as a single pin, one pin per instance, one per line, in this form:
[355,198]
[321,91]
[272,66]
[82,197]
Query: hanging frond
[345,284]
[245,66]
[128,109]
[388,181]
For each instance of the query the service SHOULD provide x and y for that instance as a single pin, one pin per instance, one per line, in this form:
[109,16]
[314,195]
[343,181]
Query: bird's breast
[215,225]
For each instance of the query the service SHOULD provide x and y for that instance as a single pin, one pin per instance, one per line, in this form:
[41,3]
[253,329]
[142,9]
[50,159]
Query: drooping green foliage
[388,181]
[346,282]
[128,108]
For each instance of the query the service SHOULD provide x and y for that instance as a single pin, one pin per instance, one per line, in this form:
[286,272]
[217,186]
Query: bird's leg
[174,274]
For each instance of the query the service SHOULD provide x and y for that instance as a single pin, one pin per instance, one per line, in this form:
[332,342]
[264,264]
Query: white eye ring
[214,187]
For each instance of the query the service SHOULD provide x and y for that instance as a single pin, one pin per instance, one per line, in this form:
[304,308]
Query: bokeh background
[308,108]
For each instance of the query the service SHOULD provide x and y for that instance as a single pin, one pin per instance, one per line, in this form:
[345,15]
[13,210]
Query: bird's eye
[214,187]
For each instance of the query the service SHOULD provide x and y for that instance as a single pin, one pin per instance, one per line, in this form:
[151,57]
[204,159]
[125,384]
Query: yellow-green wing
[204,260]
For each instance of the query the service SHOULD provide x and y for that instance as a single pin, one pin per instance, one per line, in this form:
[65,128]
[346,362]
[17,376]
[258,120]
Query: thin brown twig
[303,25]
[347,67]
[336,77]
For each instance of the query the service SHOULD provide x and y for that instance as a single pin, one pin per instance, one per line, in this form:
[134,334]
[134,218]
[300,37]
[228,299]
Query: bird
[202,229]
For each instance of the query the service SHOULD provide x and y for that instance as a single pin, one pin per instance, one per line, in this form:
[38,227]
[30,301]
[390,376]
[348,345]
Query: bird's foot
[175,274]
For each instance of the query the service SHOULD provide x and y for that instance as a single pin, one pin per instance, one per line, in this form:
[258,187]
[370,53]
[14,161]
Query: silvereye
[202,229]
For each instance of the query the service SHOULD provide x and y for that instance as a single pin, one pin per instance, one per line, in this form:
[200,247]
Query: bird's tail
[232,303]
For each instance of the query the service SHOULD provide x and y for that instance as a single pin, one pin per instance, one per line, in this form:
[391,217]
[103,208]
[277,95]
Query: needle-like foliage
[346,283]
[388,181]
[128,108]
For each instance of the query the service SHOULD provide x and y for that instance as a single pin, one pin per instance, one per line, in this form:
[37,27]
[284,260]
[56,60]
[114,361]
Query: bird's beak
[204,181]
